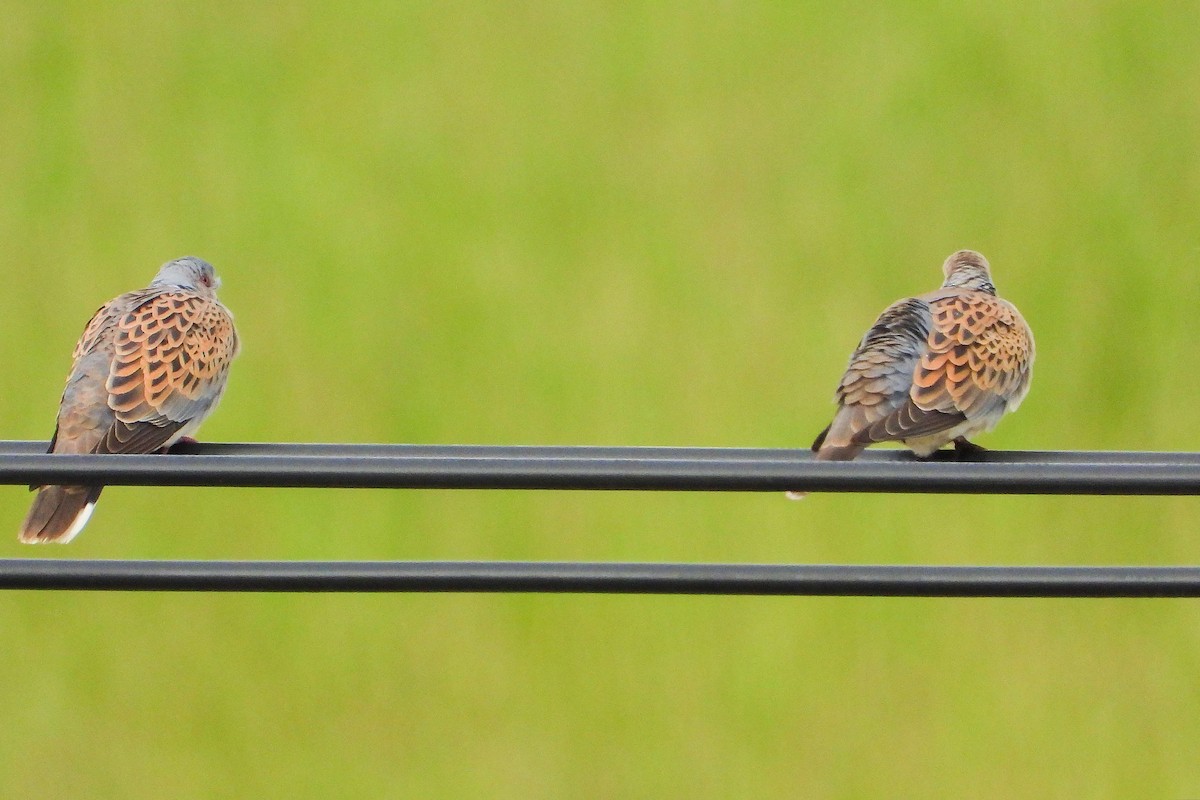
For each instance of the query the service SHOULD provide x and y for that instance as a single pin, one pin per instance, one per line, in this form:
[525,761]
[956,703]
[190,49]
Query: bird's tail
[825,449]
[58,513]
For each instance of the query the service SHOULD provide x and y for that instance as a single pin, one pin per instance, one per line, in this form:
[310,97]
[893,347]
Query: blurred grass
[583,223]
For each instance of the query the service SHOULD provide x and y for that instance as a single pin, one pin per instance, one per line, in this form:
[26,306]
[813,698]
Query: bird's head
[191,273]
[968,270]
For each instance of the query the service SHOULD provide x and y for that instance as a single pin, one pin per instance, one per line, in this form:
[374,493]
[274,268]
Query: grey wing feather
[137,437]
[881,368]
[874,395]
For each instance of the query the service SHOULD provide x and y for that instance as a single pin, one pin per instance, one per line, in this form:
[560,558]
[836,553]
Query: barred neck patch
[969,276]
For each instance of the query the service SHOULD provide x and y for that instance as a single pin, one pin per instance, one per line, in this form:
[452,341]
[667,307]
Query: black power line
[609,468]
[602,578]
[612,468]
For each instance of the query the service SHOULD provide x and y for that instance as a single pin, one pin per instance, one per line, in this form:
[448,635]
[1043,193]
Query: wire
[608,468]
[601,578]
[614,468]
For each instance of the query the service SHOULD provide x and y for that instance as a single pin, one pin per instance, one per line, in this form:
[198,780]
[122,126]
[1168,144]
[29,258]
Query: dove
[933,369]
[150,366]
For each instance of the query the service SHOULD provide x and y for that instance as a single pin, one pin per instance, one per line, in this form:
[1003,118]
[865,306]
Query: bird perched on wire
[150,366]
[933,369]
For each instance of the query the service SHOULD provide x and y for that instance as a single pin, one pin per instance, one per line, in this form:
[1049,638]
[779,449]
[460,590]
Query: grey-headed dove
[933,369]
[150,366]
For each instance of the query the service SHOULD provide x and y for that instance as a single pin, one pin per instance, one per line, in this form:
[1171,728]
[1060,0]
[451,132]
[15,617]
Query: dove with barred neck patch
[933,369]
[150,366]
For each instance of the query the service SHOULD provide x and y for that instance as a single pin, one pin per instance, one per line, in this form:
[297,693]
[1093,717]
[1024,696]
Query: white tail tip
[78,524]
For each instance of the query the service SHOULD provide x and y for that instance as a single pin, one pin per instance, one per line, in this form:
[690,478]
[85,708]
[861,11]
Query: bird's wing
[99,328]
[979,357]
[83,413]
[171,353]
[875,392]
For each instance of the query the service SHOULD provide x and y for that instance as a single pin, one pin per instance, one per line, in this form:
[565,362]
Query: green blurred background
[593,223]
